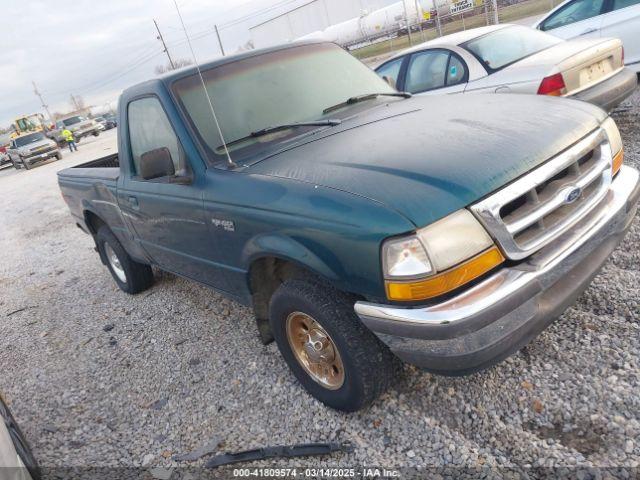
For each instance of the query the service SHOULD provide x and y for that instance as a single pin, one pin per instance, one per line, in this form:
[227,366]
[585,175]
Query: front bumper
[488,322]
[41,156]
[612,92]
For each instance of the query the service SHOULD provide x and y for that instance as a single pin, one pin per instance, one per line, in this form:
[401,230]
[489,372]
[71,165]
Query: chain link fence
[436,24]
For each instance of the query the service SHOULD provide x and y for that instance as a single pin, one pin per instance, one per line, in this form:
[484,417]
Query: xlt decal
[228,225]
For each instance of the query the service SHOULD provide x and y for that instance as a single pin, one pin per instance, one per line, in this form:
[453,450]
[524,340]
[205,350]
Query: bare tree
[179,63]
[77,102]
[247,46]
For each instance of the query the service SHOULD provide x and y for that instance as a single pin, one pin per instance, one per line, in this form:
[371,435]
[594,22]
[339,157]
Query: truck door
[167,217]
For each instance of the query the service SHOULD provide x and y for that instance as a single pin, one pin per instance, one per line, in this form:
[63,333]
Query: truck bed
[92,186]
[105,168]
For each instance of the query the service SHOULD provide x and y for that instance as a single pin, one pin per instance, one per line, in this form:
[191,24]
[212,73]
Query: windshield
[73,120]
[286,86]
[503,47]
[27,139]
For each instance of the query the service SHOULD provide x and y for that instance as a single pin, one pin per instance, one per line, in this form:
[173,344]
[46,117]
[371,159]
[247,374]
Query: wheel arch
[274,259]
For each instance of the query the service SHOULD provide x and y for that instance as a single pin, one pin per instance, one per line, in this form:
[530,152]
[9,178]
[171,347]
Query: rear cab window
[501,48]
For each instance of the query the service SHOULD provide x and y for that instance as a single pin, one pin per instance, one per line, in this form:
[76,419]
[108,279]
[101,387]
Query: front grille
[537,208]
[44,149]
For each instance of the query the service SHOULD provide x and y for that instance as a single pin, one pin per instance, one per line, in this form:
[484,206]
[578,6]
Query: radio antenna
[230,162]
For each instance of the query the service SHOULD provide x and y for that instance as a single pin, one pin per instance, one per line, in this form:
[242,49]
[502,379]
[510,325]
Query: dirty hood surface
[430,156]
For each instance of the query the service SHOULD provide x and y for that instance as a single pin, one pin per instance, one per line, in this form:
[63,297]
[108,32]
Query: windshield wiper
[278,128]
[368,96]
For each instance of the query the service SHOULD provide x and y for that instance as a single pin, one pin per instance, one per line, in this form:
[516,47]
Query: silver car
[16,460]
[26,150]
[514,59]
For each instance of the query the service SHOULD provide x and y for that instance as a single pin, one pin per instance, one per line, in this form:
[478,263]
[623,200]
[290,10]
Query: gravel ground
[97,377]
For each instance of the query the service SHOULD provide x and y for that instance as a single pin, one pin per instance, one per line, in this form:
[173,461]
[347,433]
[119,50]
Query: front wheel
[59,156]
[26,165]
[96,134]
[130,276]
[331,353]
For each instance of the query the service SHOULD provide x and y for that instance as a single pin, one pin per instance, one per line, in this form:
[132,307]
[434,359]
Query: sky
[95,48]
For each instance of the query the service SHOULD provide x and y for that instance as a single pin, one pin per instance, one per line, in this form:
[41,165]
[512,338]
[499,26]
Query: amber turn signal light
[618,160]
[445,281]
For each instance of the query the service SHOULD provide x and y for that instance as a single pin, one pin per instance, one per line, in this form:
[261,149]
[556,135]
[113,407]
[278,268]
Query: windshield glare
[27,139]
[503,47]
[72,120]
[286,86]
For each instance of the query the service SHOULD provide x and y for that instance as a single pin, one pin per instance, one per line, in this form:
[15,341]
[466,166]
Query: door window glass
[618,4]
[574,12]
[149,129]
[391,71]
[427,71]
[456,72]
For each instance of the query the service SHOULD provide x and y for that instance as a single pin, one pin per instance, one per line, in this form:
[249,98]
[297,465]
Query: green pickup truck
[362,225]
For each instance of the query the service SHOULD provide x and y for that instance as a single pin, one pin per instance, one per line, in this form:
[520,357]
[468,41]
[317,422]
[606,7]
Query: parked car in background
[359,222]
[79,125]
[596,19]
[16,460]
[5,160]
[25,150]
[111,118]
[514,59]
[107,123]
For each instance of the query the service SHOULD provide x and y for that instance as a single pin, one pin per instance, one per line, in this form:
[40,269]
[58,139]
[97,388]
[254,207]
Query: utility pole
[219,40]
[406,17]
[166,50]
[44,105]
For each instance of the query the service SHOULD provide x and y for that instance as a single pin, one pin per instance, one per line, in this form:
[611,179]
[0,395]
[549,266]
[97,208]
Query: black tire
[369,366]
[139,277]
[96,134]
[25,165]
[59,156]
[19,442]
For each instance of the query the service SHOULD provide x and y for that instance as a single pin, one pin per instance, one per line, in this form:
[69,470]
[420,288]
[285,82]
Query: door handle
[133,201]
[591,30]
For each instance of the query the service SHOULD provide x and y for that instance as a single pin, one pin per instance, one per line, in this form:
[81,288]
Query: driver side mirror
[156,163]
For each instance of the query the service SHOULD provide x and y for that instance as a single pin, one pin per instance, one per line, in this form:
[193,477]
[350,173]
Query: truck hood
[430,156]
[33,147]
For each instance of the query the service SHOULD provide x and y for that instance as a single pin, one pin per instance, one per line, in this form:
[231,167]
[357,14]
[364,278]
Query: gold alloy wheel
[315,350]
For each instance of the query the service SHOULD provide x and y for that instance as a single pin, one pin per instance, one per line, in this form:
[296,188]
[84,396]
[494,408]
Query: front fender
[288,249]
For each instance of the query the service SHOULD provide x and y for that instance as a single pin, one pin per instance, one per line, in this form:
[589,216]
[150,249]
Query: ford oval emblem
[573,195]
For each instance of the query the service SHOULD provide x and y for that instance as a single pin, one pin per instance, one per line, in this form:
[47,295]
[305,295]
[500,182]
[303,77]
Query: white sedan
[595,19]
[514,59]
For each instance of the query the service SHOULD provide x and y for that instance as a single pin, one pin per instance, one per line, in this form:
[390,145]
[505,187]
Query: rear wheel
[333,355]
[130,276]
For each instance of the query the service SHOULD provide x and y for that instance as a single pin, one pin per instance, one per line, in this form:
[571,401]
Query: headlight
[615,140]
[438,259]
